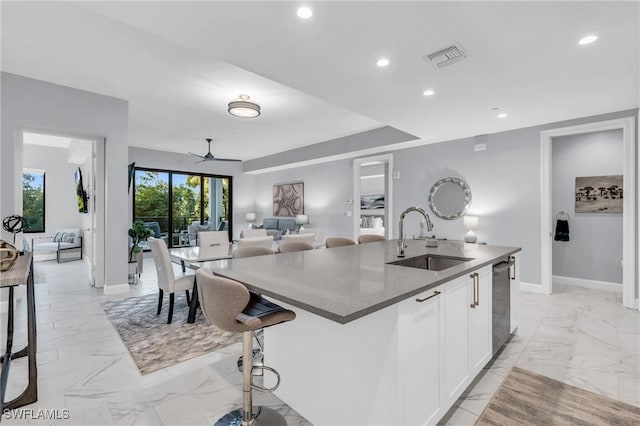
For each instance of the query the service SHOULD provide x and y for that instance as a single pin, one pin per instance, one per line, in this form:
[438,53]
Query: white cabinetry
[467,331]
[421,328]
[480,321]
[514,278]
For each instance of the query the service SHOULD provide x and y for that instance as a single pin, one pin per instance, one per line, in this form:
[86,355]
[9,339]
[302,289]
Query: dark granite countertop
[347,283]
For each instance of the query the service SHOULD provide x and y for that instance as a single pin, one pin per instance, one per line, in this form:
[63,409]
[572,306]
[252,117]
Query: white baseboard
[581,282]
[531,288]
[116,288]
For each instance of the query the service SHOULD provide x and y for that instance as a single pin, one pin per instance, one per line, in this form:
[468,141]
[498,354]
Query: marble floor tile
[579,336]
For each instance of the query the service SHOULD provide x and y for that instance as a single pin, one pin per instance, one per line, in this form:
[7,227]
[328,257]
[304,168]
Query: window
[33,200]
[175,202]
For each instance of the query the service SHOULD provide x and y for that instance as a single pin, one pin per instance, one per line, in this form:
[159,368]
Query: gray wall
[327,187]
[595,243]
[504,180]
[29,104]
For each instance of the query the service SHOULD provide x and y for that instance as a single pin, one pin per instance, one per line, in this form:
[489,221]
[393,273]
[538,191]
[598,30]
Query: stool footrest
[262,368]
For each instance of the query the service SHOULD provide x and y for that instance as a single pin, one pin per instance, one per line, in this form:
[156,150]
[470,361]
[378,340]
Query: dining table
[192,257]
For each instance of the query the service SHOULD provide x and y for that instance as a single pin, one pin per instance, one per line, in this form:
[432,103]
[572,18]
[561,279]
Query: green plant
[138,233]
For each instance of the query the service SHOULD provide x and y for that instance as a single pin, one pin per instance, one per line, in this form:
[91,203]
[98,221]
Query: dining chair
[339,242]
[289,246]
[167,281]
[213,238]
[370,238]
[251,251]
[318,233]
[266,242]
[253,233]
[303,238]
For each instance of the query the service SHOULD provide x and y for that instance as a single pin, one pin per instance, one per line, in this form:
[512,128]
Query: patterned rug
[154,344]
[526,398]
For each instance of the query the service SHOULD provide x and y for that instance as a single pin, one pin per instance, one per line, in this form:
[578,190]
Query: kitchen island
[374,342]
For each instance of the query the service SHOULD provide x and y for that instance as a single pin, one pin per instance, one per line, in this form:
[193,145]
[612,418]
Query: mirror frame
[467,197]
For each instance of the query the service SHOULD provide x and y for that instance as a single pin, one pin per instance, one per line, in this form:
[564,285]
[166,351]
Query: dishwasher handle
[503,266]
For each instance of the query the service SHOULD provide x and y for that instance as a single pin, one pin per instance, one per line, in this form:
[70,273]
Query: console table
[21,273]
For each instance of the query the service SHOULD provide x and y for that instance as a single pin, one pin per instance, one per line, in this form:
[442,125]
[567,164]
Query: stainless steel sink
[431,262]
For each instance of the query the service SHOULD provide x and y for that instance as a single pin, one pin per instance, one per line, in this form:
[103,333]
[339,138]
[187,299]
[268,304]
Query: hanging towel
[562,230]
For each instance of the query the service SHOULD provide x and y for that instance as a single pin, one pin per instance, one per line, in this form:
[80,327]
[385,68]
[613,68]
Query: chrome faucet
[401,244]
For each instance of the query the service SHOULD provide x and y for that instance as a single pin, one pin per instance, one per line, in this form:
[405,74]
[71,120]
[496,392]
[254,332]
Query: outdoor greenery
[33,201]
[152,199]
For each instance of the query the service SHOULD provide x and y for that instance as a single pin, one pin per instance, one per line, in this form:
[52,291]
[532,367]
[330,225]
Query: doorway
[627,126]
[71,191]
[373,196]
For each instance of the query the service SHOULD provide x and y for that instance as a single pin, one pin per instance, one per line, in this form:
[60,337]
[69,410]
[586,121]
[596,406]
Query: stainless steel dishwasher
[501,298]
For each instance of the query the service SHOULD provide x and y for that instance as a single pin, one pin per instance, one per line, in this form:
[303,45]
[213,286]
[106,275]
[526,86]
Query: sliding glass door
[182,204]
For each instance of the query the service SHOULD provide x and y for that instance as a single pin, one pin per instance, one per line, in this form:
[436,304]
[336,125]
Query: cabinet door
[456,343]
[480,321]
[514,277]
[422,324]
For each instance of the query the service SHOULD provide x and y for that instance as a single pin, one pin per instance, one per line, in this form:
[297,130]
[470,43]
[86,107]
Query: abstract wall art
[288,199]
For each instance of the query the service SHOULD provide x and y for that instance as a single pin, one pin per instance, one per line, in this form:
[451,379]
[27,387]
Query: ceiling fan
[209,156]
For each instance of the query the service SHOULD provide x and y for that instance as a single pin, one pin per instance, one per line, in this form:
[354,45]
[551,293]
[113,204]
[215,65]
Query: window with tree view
[33,200]
[179,205]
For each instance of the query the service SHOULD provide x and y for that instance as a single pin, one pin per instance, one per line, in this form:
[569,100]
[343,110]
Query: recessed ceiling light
[304,13]
[428,92]
[382,62]
[502,115]
[587,39]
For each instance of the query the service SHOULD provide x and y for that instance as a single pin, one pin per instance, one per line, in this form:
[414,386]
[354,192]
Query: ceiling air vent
[447,56]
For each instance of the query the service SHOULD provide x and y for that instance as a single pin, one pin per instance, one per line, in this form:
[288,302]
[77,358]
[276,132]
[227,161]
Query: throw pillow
[69,237]
[58,237]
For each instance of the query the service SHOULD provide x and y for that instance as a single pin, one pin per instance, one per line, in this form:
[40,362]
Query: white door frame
[627,125]
[388,202]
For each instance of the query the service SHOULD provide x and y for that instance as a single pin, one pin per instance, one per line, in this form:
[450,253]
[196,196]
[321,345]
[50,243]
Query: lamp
[251,217]
[243,107]
[301,219]
[470,224]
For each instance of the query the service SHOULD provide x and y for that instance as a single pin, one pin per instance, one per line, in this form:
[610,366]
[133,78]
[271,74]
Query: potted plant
[138,233]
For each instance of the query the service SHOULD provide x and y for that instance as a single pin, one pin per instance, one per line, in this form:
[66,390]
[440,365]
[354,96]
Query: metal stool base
[258,361]
[265,416]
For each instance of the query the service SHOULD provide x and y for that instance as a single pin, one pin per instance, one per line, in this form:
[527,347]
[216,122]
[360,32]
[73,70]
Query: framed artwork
[372,201]
[599,194]
[288,199]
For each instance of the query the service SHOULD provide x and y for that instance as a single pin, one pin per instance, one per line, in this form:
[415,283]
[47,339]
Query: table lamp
[251,217]
[301,219]
[470,224]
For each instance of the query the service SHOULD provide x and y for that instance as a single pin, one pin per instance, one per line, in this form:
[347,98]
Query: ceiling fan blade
[197,155]
[225,159]
[201,161]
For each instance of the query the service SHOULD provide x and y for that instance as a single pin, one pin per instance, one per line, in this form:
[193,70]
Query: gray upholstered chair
[370,238]
[289,246]
[230,307]
[251,251]
[167,281]
[339,242]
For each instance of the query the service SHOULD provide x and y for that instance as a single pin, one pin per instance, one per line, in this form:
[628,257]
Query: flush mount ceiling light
[382,62]
[587,39]
[304,13]
[244,107]
[428,92]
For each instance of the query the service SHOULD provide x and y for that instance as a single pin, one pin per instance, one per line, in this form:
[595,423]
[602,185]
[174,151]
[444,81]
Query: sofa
[66,239]
[278,226]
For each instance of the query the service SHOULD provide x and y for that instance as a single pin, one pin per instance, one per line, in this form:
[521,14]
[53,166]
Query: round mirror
[450,198]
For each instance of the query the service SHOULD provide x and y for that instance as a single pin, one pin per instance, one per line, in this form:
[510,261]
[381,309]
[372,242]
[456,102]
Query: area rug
[154,344]
[526,398]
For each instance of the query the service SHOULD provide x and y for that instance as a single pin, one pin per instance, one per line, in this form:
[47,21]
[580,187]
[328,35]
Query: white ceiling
[179,64]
